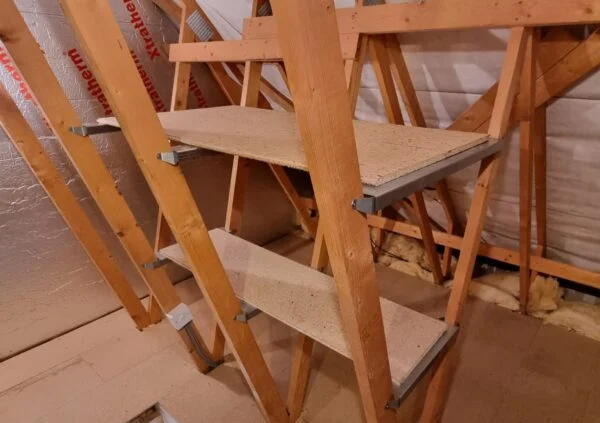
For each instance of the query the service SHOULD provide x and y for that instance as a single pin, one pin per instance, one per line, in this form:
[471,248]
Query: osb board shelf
[385,151]
[306,300]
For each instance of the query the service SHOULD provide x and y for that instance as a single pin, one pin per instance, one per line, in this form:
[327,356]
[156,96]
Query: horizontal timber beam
[447,15]
[244,50]
[505,255]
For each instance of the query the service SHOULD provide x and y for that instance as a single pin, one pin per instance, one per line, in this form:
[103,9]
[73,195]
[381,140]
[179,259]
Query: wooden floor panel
[306,300]
[385,151]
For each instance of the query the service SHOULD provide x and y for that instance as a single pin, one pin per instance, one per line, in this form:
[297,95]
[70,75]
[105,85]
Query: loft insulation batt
[47,283]
[385,152]
[450,70]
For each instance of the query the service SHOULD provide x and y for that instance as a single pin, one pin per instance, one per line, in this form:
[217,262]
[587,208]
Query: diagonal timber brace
[103,43]
[60,115]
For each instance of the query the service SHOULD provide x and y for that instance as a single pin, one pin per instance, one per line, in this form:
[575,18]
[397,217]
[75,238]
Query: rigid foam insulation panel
[48,284]
[450,71]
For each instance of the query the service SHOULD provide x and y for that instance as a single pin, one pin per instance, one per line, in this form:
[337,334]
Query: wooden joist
[539,177]
[243,50]
[181,80]
[308,222]
[179,101]
[446,15]
[240,166]
[581,61]
[382,67]
[508,83]
[240,169]
[439,386]
[170,7]
[388,64]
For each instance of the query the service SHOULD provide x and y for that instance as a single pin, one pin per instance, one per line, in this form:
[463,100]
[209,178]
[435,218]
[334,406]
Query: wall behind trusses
[450,71]
[47,283]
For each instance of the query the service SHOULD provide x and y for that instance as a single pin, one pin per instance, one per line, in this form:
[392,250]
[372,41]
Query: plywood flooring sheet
[306,300]
[385,151]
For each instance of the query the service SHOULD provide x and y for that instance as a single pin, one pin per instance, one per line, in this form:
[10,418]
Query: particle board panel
[332,395]
[125,396]
[385,151]
[35,398]
[306,300]
[230,398]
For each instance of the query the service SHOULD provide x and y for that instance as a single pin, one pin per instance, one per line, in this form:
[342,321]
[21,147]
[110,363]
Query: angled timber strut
[352,168]
[23,138]
[60,115]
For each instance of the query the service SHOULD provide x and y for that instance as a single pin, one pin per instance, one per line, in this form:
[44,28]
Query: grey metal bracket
[86,130]
[180,153]
[403,389]
[159,262]
[179,316]
[248,312]
[379,197]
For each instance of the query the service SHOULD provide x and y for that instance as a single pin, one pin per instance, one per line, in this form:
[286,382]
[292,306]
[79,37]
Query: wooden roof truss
[307,37]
